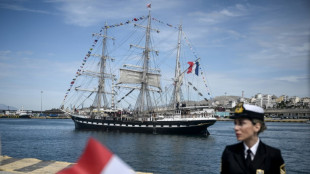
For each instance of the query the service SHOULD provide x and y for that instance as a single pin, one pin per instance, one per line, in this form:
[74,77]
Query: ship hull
[25,116]
[151,127]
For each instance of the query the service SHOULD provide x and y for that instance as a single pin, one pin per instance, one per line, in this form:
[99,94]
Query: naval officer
[251,155]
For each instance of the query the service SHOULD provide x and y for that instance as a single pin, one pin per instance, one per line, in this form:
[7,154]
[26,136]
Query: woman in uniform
[251,155]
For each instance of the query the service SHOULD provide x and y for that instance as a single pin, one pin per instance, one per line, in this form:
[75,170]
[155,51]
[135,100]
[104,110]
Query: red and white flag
[148,5]
[97,159]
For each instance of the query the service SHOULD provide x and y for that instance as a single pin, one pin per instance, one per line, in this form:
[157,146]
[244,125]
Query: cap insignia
[239,108]
[260,171]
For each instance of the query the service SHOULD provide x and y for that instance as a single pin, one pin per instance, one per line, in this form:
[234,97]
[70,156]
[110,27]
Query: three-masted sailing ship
[104,110]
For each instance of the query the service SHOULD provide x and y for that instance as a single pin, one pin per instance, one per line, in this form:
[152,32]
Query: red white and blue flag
[193,65]
[97,159]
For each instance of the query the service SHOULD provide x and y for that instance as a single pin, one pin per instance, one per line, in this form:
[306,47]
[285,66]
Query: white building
[264,101]
[294,100]
[267,101]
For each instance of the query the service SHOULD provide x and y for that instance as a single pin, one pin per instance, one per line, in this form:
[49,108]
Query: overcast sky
[252,46]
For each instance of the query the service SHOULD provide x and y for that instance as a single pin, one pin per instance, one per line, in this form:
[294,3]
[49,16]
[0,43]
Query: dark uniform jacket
[267,160]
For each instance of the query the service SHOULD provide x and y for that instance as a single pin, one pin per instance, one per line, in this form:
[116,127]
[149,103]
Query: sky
[255,46]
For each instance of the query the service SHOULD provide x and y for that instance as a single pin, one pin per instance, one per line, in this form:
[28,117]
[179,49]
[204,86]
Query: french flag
[97,159]
[193,65]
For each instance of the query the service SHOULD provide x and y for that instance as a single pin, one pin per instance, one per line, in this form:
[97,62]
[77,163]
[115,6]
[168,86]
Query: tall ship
[123,86]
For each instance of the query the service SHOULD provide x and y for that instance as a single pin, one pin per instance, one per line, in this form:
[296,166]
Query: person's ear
[257,127]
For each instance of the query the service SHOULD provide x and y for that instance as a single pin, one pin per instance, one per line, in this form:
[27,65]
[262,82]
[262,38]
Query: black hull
[151,127]
[25,116]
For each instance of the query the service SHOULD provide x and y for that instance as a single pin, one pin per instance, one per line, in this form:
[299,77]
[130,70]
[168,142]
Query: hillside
[5,107]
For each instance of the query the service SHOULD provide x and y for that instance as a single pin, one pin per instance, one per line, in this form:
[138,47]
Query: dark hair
[262,123]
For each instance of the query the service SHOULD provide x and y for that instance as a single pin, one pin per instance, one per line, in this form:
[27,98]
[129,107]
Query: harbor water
[57,139]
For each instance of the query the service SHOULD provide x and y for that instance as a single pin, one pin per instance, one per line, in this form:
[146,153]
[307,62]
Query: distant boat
[23,114]
[142,83]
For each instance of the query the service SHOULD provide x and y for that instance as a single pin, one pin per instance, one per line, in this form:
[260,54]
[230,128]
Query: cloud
[24,74]
[4,54]
[22,65]
[88,13]
[279,46]
[222,15]
[293,78]
[20,7]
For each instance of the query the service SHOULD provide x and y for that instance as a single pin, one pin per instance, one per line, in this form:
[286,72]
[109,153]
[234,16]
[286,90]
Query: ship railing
[202,115]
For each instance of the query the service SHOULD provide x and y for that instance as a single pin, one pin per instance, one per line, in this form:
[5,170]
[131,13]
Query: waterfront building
[305,102]
[282,98]
[233,103]
[253,100]
[294,100]
[267,101]
[259,96]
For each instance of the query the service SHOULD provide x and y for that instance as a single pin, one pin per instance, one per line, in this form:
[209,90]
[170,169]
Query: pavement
[9,165]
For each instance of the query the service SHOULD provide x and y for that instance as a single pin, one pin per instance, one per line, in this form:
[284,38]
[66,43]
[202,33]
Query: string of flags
[125,23]
[205,83]
[190,46]
[80,70]
[199,93]
[125,95]
[169,25]
[192,65]
[195,65]
[185,37]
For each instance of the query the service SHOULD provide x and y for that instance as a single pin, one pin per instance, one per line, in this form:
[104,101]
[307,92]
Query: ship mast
[178,77]
[101,98]
[101,79]
[144,77]
[144,99]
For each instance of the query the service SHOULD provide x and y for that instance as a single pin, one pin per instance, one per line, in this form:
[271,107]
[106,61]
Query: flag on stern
[97,159]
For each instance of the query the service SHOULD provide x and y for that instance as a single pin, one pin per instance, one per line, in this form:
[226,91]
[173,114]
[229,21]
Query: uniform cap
[248,111]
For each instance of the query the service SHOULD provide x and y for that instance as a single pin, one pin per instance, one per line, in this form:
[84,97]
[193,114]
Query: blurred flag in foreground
[97,159]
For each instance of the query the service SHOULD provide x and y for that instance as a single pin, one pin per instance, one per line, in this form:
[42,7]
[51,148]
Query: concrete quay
[36,117]
[30,165]
[288,113]
[9,165]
